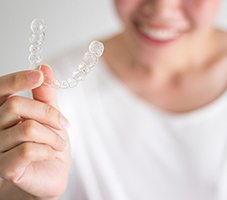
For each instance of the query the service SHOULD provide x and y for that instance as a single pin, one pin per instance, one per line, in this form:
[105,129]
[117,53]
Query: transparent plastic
[90,58]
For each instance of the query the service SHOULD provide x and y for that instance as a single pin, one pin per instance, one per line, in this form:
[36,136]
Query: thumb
[46,93]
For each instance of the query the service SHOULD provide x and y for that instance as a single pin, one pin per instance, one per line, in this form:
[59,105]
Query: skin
[34,148]
[177,76]
[180,75]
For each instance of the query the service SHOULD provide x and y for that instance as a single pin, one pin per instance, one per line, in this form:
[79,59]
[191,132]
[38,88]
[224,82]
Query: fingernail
[64,122]
[42,68]
[33,76]
[47,80]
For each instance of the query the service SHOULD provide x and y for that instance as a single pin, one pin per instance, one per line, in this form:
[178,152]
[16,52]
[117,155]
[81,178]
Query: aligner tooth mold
[90,58]
[38,28]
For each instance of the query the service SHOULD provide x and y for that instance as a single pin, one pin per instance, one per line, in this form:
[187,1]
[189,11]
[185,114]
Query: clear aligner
[89,60]
[38,28]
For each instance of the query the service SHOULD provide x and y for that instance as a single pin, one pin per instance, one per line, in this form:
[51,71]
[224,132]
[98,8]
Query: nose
[160,8]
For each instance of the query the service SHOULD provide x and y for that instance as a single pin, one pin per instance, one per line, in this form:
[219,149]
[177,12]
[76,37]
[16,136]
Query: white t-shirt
[126,149]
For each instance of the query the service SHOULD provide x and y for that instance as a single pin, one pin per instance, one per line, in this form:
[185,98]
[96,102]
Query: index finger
[18,81]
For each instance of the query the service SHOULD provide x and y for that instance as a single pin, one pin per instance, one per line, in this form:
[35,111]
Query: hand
[34,147]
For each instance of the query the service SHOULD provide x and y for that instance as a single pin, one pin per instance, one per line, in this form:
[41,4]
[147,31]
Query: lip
[150,40]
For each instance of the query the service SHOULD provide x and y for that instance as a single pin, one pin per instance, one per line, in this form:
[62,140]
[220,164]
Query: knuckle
[12,104]
[25,151]
[28,129]
[11,172]
[59,141]
[49,152]
[10,175]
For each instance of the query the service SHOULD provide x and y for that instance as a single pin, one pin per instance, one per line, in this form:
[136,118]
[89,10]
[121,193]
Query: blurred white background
[70,23]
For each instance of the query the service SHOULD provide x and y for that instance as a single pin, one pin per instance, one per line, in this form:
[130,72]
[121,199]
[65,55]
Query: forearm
[9,191]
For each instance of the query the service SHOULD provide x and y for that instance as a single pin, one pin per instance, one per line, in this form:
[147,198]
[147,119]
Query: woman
[148,123]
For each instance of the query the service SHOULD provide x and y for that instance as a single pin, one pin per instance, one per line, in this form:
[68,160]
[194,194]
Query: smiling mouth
[160,33]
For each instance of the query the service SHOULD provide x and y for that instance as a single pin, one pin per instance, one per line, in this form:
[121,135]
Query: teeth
[159,34]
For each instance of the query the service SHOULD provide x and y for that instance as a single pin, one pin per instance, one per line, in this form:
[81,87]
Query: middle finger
[18,108]
[30,131]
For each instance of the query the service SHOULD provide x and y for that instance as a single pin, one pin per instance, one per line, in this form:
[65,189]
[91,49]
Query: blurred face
[155,25]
